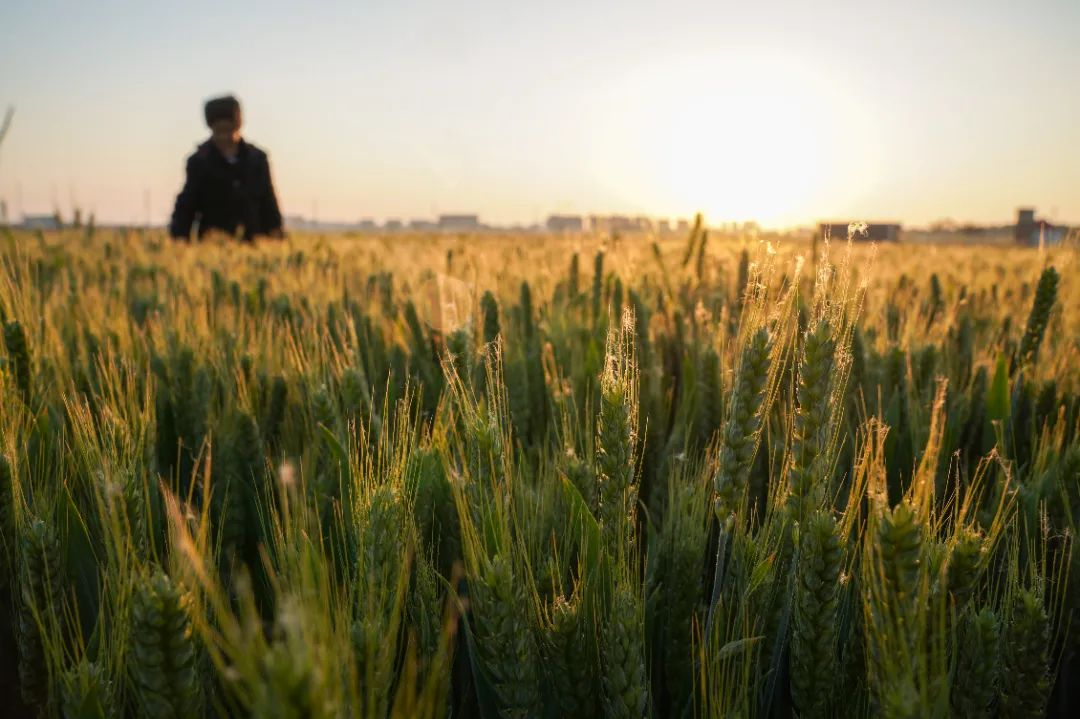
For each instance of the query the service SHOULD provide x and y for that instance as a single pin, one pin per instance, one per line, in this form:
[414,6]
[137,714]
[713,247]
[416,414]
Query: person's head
[224,120]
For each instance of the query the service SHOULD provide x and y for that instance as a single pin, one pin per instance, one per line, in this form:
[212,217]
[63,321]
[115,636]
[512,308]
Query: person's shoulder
[255,151]
[201,154]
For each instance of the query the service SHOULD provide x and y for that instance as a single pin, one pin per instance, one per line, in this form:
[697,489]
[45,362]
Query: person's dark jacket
[231,197]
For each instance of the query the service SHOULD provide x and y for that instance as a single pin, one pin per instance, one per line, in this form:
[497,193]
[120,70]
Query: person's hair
[222,108]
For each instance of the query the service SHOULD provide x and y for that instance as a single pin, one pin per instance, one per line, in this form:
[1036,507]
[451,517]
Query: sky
[782,111]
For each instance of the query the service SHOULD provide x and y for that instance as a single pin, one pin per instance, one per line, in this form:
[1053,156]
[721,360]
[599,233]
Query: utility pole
[6,124]
[4,127]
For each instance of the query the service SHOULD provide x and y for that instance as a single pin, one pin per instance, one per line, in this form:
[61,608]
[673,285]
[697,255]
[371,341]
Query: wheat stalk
[163,657]
[814,630]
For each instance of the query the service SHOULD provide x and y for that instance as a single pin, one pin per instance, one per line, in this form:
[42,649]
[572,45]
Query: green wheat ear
[324,414]
[355,393]
[275,411]
[674,584]
[976,676]
[622,654]
[616,437]
[459,346]
[162,657]
[504,637]
[900,539]
[573,280]
[19,352]
[425,607]
[40,592]
[381,548]
[87,691]
[936,301]
[1025,685]
[380,564]
[322,408]
[1039,318]
[965,565]
[811,431]
[570,654]
[598,289]
[243,471]
[489,308]
[743,278]
[814,635]
[710,397]
[519,398]
[535,383]
[582,475]
[743,424]
[287,690]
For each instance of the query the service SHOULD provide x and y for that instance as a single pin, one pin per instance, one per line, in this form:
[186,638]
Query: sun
[744,154]
[739,134]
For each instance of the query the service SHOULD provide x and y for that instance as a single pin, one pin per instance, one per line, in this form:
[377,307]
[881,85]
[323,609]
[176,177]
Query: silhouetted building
[459,223]
[393,226]
[1033,232]
[40,222]
[870,231]
[565,223]
[617,223]
[422,226]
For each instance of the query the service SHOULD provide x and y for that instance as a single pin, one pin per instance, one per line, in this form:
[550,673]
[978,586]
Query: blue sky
[781,111]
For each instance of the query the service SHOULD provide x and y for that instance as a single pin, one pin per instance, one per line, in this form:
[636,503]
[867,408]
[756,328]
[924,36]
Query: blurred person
[228,187]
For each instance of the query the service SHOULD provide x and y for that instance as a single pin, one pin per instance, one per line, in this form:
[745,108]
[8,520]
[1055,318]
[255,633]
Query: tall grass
[318,479]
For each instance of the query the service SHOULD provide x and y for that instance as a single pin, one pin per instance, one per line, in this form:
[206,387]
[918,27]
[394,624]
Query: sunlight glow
[740,134]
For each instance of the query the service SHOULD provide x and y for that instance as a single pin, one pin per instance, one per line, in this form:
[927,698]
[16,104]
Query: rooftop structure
[459,223]
[1034,232]
[565,223]
[41,222]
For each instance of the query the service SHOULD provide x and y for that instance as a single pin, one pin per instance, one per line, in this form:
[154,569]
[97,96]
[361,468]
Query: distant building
[40,222]
[422,226]
[663,227]
[873,232]
[614,223]
[1033,232]
[367,225]
[682,226]
[393,226]
[565,223]
[459,223]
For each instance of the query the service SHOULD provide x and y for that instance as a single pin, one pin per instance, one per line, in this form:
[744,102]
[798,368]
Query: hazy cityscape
[1029,228]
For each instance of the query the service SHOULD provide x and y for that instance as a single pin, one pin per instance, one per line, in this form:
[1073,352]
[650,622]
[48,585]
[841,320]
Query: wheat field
[537,476]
